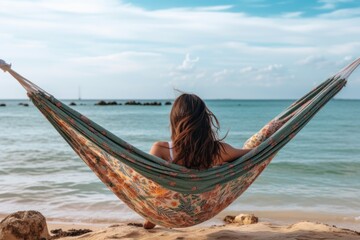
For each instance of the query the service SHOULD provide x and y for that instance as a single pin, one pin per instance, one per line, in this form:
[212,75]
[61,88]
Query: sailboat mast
[79,92]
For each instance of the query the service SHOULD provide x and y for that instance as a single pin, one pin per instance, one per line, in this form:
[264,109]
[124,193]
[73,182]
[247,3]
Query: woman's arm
[229,153]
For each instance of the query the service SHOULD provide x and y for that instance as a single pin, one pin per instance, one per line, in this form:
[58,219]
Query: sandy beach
[261,230]
[272,225]
[297,226]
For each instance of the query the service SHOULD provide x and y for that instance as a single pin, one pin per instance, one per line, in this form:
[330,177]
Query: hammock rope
[165,193]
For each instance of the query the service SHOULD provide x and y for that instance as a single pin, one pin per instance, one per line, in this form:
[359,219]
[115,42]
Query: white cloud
[186,73]
[345,48]
[292,14]
[265,76]
[342,13]
[117,63]
[311,60]
[220,75]
[331,4]
[76,6]
[188,64]
[314,60]
[246,69]
[214,8]
[271,68]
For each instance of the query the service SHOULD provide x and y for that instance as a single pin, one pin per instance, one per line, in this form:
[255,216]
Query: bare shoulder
[227,148]
[161,144]
[230,153]
[160,149]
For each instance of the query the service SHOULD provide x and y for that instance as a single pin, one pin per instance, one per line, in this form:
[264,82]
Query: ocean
[318,172]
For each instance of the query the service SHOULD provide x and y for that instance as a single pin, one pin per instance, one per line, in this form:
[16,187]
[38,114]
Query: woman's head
[194,132]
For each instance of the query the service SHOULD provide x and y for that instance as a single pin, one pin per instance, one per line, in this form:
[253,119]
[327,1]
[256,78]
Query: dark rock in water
[2,105]
[152,104]
[133,103]
[103,103]
[23,104]
[72,104]
[24,225]
[167,103]
[70,233]
[112,103]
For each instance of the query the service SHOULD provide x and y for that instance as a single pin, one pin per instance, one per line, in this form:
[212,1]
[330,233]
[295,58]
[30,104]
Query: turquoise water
[319,171]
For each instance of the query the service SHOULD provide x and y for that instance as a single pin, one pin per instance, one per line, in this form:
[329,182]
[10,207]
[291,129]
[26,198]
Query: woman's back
[166,151]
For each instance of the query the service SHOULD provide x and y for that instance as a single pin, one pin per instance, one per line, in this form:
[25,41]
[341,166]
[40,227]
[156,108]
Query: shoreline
[279,228]
[262,230]
[276,217]
[279,224]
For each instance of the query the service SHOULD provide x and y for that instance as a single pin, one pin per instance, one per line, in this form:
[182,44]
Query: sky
[141,49]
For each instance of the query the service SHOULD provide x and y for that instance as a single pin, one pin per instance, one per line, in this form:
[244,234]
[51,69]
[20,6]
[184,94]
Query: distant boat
[79,93]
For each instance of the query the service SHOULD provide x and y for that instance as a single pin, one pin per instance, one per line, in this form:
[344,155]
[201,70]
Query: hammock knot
[4,66]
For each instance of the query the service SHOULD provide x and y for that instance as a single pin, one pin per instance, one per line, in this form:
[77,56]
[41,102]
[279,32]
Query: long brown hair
[194,132]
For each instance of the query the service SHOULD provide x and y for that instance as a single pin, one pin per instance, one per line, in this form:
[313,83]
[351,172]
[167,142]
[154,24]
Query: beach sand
[262,230]
[276,228]
[280,226]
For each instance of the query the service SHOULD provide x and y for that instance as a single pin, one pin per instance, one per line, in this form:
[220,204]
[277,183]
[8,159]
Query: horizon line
[169,99]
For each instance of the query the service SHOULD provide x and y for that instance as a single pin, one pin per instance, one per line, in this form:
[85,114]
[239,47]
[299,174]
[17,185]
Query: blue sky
[263,8]
[241,49]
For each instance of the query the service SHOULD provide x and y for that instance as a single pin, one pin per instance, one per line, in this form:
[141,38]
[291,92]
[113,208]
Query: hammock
[168,194]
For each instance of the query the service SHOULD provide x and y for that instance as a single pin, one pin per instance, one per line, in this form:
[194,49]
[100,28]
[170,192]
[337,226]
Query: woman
[194,141]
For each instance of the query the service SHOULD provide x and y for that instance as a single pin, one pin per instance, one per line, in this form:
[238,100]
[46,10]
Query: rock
[167,103]
[246,219]
[24,225]
[72,104]
[58,233]
[152,104]
[2,105]
[229,219]
[242,219]
[103,103]
[136,224]
[133,103]
[112,103]
[23,104]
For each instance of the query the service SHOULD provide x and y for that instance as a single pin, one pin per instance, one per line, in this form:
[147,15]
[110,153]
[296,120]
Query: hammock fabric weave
[168,194]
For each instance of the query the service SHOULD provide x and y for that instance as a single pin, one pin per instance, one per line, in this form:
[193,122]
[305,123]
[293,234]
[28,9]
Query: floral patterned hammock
[168,194]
